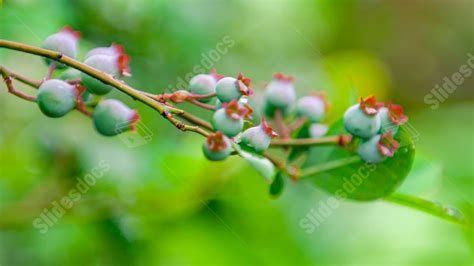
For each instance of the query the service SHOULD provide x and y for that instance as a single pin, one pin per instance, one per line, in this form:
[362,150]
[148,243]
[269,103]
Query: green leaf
[355,179]
[278,184]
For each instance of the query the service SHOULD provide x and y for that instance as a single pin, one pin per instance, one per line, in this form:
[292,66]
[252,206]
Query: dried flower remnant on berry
[234,111]
[396,114]
[216,142]
[369,105]
[387,144]
[243,84]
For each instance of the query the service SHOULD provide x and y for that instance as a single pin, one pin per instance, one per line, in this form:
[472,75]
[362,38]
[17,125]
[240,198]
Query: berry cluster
[279,103]
[376,125]
[74,89]
[372,126]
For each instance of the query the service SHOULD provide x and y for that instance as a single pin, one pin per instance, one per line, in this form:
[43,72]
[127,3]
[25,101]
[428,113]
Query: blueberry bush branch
[166,112]
[371,128]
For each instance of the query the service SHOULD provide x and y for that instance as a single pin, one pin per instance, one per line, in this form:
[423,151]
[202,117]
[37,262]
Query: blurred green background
[162,203]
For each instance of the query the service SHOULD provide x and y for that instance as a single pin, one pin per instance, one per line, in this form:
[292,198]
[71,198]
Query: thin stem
[11,88]
[196,120]
[280,123]
[307,142]
[297,124]
[310,171]
[20,77]
[104,77]
[438,210]
[292,171]
[202,105]
[51,69]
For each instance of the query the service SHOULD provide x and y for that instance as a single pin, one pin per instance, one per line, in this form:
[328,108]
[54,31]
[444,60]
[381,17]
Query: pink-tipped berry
[229,119]
[378,148]
[258,137]
[228,89]
[363,119]
[217,147]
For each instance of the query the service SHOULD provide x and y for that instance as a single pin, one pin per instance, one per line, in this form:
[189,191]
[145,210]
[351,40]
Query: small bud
[280,93]
[56,98]
[111,117]
[312,107]
[258,137]
[217,147]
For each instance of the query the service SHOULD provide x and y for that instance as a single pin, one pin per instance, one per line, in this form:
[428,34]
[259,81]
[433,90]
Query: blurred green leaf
[360,180]
[278,184]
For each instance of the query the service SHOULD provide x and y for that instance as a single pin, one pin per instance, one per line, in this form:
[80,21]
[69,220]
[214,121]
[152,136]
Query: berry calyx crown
[369,105]
[118,48]
[123,65]
[68,30]
[396,115]
[267,129]
[243,84]
[134,119]
[282,77]
[234,111]
[216,142]
[387,144]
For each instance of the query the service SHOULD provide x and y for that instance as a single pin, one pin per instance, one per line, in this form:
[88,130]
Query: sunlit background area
[158,201]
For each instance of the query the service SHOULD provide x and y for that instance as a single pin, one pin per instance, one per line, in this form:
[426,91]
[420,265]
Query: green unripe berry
[217,147]
[229,119]
[105,63]
[258,137]
[280,93]
[363,120]
[369,151]
[377,148]
[312,107]
[203,84]
[65,42]
[70,74]
[56,98]
[111,117]
[229,126]
[74,74]
[228,89]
